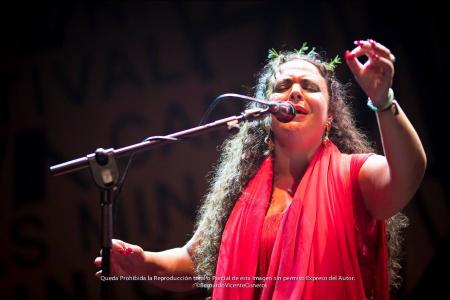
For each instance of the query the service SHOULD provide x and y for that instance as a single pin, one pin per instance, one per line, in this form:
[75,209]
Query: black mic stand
[104,170]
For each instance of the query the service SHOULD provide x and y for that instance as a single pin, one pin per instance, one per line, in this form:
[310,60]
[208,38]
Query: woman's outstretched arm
[387,182]
[128,259]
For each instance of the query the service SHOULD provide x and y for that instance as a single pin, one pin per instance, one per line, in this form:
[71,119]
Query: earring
[326,132]
[269,135]
[270,143]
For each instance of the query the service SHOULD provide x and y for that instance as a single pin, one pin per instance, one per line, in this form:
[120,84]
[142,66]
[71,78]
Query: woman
[296,210]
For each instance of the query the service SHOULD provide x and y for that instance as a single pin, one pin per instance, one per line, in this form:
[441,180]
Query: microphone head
[283,111]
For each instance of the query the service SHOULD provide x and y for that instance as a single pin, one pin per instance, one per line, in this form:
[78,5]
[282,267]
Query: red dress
[324,246]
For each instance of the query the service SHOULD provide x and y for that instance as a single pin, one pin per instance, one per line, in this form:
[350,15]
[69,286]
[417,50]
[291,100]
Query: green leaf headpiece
[306,51]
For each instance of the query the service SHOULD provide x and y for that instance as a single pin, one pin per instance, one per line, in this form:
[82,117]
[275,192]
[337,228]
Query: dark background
[77,76]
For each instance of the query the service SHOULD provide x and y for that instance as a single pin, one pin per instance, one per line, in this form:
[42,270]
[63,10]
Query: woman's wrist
[385,105]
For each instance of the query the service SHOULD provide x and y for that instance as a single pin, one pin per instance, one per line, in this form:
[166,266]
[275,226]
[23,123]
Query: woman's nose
[296,94]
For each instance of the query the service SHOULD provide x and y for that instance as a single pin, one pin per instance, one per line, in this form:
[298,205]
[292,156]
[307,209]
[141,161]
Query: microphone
[283,111]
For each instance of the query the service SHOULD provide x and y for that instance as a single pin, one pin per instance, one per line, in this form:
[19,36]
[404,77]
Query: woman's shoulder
[352,163]
[356,160]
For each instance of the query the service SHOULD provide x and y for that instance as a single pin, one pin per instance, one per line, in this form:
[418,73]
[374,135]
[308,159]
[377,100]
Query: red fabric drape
[327,246]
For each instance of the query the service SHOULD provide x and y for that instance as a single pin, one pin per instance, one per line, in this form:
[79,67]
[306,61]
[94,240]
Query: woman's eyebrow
[284,79]
[310,78]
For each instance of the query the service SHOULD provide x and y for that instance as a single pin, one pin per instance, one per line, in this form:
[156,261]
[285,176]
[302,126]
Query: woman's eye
[281,86]
[310,86]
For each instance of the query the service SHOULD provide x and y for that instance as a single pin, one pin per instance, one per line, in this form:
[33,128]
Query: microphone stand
[105,173]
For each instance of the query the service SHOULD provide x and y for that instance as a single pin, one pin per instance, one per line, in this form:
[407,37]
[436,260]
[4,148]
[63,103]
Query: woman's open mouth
[300,109]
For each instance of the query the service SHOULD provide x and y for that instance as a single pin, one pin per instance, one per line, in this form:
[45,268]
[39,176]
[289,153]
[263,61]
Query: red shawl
[327,245]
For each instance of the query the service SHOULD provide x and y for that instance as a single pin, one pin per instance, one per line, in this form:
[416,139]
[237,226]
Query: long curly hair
[243,153]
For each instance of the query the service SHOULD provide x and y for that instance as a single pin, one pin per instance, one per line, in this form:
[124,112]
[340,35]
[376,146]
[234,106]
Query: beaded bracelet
[385,106]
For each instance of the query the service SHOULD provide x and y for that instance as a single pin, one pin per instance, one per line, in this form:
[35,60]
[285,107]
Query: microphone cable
[205,116]
[223,97]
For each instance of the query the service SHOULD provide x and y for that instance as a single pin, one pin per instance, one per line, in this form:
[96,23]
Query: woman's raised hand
[376,74]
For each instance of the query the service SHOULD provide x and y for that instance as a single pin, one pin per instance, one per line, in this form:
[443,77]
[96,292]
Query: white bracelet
[385,106]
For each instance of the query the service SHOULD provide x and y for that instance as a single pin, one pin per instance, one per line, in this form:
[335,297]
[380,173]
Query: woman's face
[301,83]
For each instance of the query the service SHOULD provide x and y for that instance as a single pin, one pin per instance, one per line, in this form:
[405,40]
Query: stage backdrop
[76,77]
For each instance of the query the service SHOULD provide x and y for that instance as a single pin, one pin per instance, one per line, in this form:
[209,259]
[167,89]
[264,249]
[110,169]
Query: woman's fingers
[384,50]
[115,266]
[122,247]
[385,61]
[125,258]
[376,74]
[372,48]
[118,243]
[353,63]
[98,261]
[119,246]
[379,58]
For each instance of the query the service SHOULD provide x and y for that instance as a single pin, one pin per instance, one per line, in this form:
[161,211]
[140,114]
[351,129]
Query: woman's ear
[330,119]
